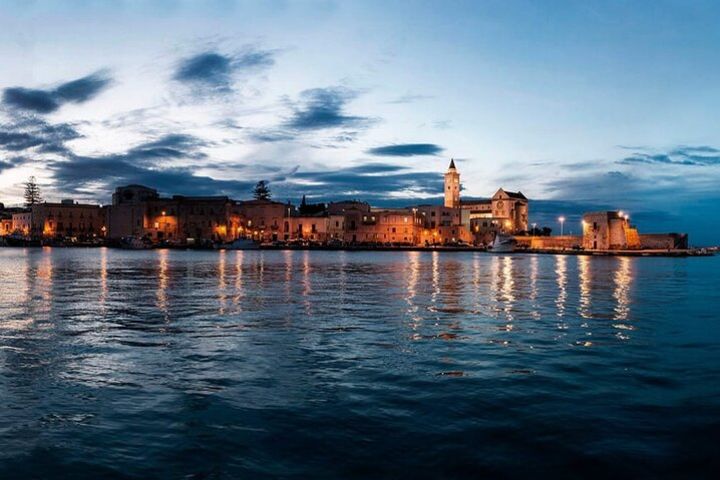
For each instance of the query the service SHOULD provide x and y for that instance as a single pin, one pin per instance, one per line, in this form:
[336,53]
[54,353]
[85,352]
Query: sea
[342,364]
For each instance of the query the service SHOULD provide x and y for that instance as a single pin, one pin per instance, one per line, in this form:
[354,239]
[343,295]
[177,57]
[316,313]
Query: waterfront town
[141,215]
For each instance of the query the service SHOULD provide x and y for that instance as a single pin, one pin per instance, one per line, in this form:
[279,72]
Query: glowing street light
[562,223]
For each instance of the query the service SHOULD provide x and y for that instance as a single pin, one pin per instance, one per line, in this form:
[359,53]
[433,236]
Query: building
[139,211]
[475,221]
[263,220]
[608,231]
[67,219]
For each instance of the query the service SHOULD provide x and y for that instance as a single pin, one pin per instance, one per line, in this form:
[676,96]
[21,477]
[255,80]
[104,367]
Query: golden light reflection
[561,276]
[307,288]
[621,293]
[507,288]
[45,278]
[413,273]
[239,287]
[222,283]
[161,294]
[585,281]
[103,277]
[435,277]
[495,279]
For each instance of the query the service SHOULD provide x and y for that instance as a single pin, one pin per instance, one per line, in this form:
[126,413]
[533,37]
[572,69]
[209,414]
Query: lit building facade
[65,219]
[608,231]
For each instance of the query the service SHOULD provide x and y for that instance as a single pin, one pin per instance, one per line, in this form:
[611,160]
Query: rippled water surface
[266,364]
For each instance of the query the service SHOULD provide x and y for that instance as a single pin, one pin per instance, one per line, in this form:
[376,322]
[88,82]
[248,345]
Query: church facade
[505,212]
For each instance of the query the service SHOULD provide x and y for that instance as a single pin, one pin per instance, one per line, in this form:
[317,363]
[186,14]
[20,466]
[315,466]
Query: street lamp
[562,223]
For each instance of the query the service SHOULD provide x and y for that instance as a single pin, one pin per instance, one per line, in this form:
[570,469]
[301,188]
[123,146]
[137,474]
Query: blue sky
[580,105]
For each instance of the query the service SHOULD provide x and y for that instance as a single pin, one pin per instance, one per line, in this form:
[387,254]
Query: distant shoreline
[691,252]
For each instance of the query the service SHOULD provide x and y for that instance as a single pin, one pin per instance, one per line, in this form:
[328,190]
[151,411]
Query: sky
[580,105]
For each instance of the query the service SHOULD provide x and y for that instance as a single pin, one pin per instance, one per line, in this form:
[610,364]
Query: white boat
[503,243]
[240,244]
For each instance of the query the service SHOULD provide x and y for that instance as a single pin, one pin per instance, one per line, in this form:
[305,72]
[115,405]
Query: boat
[239,244]
[503,243]
[135,243]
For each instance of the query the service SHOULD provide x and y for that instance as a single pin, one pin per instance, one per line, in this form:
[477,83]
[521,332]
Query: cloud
[170,146]
[321,108]
[34,133]
[11,163]
[375,182]
[406,150]
[47,101]
[702,155]
[144,164]
[408,98]
[211,72]
[100,175]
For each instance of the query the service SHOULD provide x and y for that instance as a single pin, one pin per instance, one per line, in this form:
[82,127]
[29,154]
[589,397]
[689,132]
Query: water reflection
[561,280]
[260,346]
[622,278]
[162,278]
[585,285]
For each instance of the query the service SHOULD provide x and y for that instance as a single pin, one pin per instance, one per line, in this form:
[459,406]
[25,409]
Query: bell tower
[452,186]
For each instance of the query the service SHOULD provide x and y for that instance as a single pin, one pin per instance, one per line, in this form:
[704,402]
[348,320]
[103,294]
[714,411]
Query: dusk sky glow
[579,105]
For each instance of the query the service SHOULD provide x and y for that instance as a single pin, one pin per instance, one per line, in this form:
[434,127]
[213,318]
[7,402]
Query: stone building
[608,231]
[476,221]
[139,211]
[263,220]
[65,219]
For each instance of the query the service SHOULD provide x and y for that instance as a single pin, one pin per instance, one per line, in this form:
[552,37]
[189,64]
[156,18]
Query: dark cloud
[406,150]
[39,101]
[9,163]
[321,108]
[212,72]
[168,147]
[702,155]
[47,101]
[102,174]
[144,164]
[35,133]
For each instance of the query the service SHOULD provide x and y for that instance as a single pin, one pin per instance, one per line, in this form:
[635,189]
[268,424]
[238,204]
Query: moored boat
[503,243]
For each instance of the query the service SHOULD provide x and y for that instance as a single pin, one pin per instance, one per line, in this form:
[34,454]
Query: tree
[262,191]
[32,192]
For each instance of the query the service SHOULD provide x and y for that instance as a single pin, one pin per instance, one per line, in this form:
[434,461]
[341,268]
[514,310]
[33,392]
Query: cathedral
[505,211]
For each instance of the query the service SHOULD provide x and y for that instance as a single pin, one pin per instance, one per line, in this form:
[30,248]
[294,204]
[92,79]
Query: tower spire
[452,164]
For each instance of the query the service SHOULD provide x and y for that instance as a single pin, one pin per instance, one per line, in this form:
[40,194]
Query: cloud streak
[406,150]
[47,101]
[702,155]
